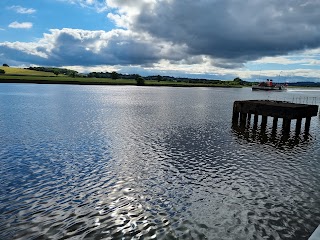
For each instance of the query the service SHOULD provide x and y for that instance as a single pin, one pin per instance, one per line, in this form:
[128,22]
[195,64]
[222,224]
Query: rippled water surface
[96,162]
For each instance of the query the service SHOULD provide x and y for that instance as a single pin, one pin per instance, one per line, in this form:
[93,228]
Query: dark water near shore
[95,162]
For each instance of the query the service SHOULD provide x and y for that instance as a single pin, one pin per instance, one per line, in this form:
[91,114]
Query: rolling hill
[26,72]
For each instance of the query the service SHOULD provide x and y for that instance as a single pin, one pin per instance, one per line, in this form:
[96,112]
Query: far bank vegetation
[62,75]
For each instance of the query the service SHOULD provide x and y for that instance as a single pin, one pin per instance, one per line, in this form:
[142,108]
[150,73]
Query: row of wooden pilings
[243,111]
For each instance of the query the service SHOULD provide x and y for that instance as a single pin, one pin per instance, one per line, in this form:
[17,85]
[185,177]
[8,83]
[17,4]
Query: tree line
[56,71]
[140,80]
[114,75]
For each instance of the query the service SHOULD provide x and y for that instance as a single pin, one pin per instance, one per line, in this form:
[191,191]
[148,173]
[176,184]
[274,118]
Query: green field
[19,75]
[22,71]
[64,79]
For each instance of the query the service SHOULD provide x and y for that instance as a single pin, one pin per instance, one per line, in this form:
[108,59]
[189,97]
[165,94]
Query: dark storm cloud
[81,47]
[233,30]
[11,55]
[99,49]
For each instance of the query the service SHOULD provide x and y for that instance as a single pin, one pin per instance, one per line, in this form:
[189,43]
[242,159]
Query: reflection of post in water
[264,122]
[263,136]
[298,126]
[276,109]
[255,123]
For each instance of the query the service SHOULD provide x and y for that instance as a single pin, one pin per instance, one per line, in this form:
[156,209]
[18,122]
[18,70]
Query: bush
[114,75]
[140,81]
[2,71]
[5,65]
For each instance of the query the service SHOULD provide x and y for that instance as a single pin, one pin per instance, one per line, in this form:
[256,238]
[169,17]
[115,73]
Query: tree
[5,65]
[140,81]
[159,78]
[238,81]
[73,74]
[56,72]
[114,75]
[2,71]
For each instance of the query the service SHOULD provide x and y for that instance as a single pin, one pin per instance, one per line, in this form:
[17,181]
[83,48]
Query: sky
[213,39]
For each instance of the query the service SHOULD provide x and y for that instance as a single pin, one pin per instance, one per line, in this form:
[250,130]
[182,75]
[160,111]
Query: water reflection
[277,139]
[142,163]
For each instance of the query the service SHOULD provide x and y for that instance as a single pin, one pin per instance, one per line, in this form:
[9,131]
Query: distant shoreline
[105,82]
[52,75]
[58,82]
[118,82]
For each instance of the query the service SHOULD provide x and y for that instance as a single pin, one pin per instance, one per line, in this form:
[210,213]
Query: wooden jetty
[243,110]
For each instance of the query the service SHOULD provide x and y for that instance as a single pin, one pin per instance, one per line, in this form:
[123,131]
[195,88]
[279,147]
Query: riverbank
[104,81]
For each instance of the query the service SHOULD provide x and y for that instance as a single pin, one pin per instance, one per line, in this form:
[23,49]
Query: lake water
[126,162]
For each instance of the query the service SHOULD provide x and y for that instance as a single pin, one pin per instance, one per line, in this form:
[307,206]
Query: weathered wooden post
[274,124]
[307,125]
[243,118]
[235,116]
[298,126]
[264,122]
[286,125]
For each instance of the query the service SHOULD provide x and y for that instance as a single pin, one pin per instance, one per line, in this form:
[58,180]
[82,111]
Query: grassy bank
[64,80]
[102,81]
[17,75]
[25,72]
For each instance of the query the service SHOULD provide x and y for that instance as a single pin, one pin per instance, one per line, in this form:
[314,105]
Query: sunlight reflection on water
[141,162]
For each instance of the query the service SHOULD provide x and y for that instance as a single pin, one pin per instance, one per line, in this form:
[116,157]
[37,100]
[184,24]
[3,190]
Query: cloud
[98,5]
[22,10]
[129,52]
[230,30]
[20,25]
[83,47]
[283,60]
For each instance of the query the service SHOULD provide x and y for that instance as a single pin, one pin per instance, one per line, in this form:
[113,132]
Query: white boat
[269,86]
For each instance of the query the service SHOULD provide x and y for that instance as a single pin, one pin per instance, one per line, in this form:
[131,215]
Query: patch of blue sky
[256,66]
[49,14]
[277,66]
[274,66]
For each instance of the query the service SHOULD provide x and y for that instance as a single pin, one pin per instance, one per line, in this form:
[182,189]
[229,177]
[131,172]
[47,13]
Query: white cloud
[124,50]
[283,60]
[100,68]
[301,58]
[20,25]
[31,49]
[22,10]
[98,5]
[83,47]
